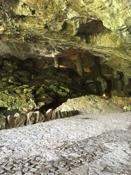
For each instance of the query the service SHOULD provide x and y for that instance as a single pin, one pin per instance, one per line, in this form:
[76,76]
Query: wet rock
[2,122]
[15,120]
[48,114]
[41,117]
[19,119]
[31,118]
[63,113]
[54,116]
[34,117]
[58,114]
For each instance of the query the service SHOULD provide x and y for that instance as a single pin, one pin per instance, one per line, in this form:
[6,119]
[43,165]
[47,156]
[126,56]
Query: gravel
[83,144]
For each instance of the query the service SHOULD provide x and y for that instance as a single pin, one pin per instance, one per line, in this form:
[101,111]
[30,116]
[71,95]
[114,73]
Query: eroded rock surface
[89,104]
[44,28]
[94,104]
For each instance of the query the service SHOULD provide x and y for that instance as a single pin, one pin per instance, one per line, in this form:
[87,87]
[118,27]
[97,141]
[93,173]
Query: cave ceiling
[42,28]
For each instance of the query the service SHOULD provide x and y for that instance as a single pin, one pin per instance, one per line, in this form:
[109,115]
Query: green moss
[26,87]
[59,90]
[19,98]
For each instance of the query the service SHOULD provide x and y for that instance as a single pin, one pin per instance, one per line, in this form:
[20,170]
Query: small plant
[127,108]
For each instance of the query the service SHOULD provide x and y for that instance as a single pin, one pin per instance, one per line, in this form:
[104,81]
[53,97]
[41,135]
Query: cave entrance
[96,77]
[36,85]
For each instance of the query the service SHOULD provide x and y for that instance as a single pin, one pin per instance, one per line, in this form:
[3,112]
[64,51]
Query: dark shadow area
[93,27]
[36,85]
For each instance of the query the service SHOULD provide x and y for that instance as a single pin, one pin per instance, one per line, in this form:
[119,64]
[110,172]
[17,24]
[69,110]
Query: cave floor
[97,144]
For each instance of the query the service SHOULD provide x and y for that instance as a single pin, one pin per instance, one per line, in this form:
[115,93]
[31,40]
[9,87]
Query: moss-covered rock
[24,86]
[19,98]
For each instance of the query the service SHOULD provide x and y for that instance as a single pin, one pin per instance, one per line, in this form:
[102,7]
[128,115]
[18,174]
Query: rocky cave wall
[40,28]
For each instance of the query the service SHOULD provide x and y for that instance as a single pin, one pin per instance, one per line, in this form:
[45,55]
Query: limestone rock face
[42,28]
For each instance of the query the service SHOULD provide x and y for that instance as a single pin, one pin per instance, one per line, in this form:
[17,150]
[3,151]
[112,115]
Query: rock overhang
[42,28]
